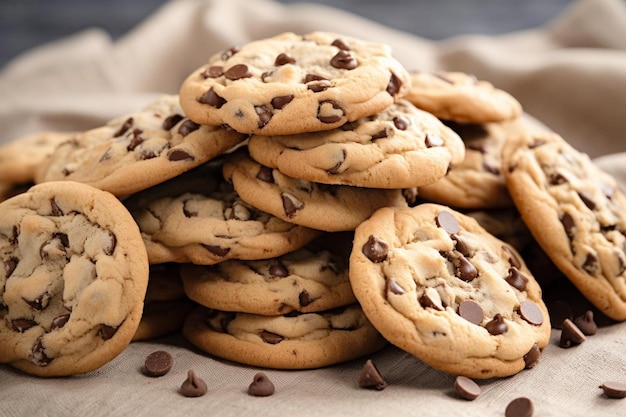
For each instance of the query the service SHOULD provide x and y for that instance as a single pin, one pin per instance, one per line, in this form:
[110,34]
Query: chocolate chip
[514,261]
[569,225]
[261,386]
[291,204]
[432,141]
[158,363]
[465,270]
[343,60]
[531,358]
[128,123]
[570,335]
[187,127]
[614,389]
[60,321]
[448,222]
[38,354]
[265,115]
[516,280]
[375,249]
[106,332]
[283,59]
[401,123]
[265,174]
[340,44]
[370,378]
[21,325]
[471,311]
[466,388]
[277,269]
[304,298]
[217,250]
[531,312]
[394,287]
[237,72]
[281,101]
[193,386]
[271,338]
[520,407]
[497,325]
[171,121]
[212,99]
[587,199]
[586,323]
[213,71]
[9,266]
[394,85]
[329,111]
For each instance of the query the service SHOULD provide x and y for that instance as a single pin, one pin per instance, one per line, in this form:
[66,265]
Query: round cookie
[461,97]
[139,150]
[400,147]
[74,279]
[290,84]
[197,217]
[478,181]
[293,341]
[303,202]
[305,280]
[437,285]
[575,211]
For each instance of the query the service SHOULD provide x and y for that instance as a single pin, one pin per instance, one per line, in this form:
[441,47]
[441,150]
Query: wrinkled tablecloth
[569,74]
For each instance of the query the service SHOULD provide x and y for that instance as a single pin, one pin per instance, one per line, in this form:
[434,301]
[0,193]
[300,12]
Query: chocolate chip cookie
[197,217]
[291,84]
[400,147]
[139,150]
[293,341]
[74,279]
[304,202]
[461,97]
[575,211]
[440,287]
[305,280]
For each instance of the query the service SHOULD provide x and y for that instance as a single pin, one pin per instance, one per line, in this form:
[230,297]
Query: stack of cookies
[303,201]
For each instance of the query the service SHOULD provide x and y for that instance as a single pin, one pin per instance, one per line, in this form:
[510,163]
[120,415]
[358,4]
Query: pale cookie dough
[437,285]
[303,202]
[293,341]
[74,279]
[197,217]
[575,211]
[291,84]
[305,280]
[400,147]
[136,151]
[461,97]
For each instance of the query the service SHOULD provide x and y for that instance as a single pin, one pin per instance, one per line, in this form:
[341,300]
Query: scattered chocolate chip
[466,388]
[329,111]
[471,311]
[261,386]
[614,389]
[271,338]
[375,249]
[187,127]
[586,323]
[283,59]
[370,378]
[212,99]
[291,204]
[158,363]
[193,386]
[340,44]
[281,101]
[265,174]
[516,279]
[343,60]
[265,115]
[401,123]
[179,155]
[106,332]
[60,321]
[171,121]
[432,141]
[128,123]
[21,325]
[531,358]
[497,325]
[213,71]
[394,85]
[520,407]
[217,250]
[448,222]
[531,312]
[237,72]
[570,335]
[394,287]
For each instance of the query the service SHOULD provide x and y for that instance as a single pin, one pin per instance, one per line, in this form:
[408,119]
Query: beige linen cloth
[569,74]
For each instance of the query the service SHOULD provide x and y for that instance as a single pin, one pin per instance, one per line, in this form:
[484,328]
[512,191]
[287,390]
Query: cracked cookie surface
[440,287]
[74,279]
[290,84]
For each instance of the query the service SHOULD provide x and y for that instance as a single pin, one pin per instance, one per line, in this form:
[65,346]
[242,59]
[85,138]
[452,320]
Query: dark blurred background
[25,24]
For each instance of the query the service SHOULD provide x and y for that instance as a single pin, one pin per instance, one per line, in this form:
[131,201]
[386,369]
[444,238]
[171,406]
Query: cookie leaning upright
[292,84]
[575,211]
[74,279]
